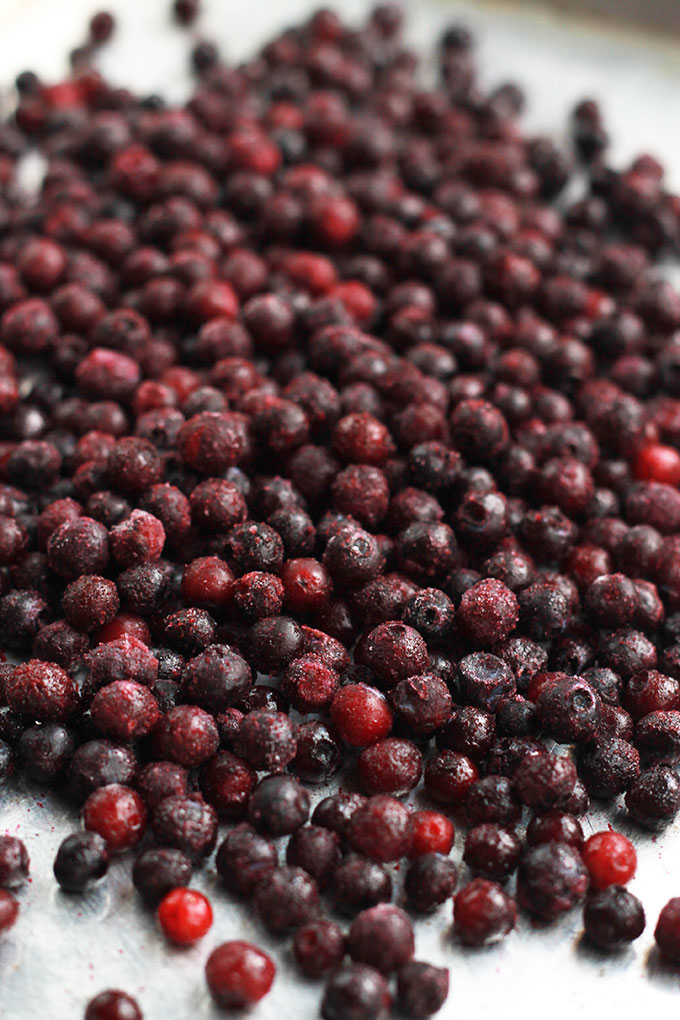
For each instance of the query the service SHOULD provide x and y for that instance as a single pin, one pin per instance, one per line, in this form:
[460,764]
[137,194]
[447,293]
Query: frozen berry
[380,829]
[551,880]
[381,937]
[422,989]
[113,1005]
[319,947]
[244,859]
[155,873]
[360,714]
[391,766]
[185,915]
[116,813]
[483,913]
[491,851]
[81,860]
[610,858]
[358,991]
[14,862]
[266,740]
[288,899]
[238,974]
[185,823]
[9,910]
[278,805]
[613,918]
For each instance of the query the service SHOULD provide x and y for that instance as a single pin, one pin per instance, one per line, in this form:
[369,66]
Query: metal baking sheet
[63,950]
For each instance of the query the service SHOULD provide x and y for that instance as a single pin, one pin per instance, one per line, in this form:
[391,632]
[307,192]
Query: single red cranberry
[207,581]
[309,683]
[117,814]
[488,613]
[185,915]
[658,463]
[124,711]
[360,714]
[113,1005]
[238,974]
[610,858]
[431,832]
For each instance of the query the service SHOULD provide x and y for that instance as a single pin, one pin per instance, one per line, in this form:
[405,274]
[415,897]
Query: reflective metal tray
[63,950]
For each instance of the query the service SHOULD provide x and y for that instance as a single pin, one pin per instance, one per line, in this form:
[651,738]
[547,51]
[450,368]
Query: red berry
[118,814]
[113,1005]
[238,974]
[360,714]
[207,581]
[431,832]
[185,915]
[610,858]
[9,910]
[658,463]
[483,913]
[307,585]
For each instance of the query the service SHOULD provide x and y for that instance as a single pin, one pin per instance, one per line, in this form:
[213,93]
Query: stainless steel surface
[65,949]
[657,16]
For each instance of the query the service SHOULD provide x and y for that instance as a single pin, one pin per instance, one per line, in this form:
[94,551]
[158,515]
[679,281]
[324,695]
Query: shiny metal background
[63,950]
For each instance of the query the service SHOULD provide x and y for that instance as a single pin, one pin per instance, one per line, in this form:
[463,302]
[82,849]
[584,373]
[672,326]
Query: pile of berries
[336,444]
